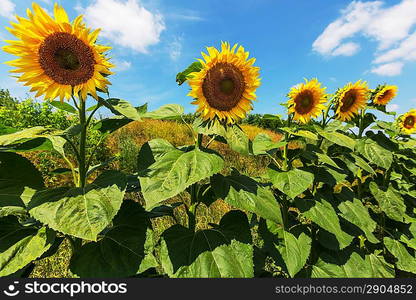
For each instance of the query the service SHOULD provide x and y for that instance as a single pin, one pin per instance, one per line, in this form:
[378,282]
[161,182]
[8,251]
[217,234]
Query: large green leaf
[263,143]
[166,112]
[122,107]
[20,245]
[362,164]
[323,214]
[337,138]
[124,250]
[64,106]
[175,170]
[19,179]
[405,261]
[81,212]
[375,154]
[335,266]
[247,194]
[292,183]
[31,139]
[224,251]
[390,202]
[356,213]
[303,133]
[109,125]
[23,135]
[294,251]
[235,137]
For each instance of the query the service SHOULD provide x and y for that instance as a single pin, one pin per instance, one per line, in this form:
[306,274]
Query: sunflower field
[337,197]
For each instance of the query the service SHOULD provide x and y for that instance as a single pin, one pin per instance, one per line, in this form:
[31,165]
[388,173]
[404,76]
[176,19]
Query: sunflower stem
[198,143]
[361,124]
[82,145]
[286,148]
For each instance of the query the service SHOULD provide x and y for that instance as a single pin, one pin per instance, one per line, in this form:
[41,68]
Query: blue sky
[336,41]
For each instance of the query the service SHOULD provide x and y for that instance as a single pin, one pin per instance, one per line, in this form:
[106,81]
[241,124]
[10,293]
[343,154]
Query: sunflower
[384,94]
[58,58]
[225,86]
[407,122]
[306,100]
[350,99]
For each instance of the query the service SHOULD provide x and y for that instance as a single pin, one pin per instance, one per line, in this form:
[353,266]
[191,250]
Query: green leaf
[356,213]
[19,179]
[362,164]
[263,143]
[224,251]
[73,130]
[303,133]
[374,153]
[355,266]
[337,138]
[20,245]
[247,194]
[390,202]
[294,251]
[174,171]
[166,112]
[292,183]
[124,250]
[323,214]
[81,212]
[121,107]
[184,75]
[237,139]
[64,106]
[327,160]
[111,124]
[405,261]
[22,136]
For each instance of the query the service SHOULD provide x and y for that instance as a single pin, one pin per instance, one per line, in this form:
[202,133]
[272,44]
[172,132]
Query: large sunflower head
[350,99]
[306,100]
[407,122]
[58,58]
[225,86]
[383,94]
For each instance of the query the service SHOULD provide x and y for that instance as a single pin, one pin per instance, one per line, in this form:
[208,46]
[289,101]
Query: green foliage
[330,202]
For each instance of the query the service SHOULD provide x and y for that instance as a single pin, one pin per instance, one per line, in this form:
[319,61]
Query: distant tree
[6,100]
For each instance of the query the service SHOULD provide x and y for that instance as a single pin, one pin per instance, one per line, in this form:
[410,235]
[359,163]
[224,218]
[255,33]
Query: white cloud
[392,107]
[347,49]
[121,65]
[353,20]
[390,69]
[126,23]
[175,48]
[405,50]
[7,9]
[391,27]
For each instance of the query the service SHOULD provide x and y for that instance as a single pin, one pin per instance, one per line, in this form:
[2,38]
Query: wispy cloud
[392,107]
[390,69]
[391,27]
[126,23]
[7,9]
[175,48]
[121,65]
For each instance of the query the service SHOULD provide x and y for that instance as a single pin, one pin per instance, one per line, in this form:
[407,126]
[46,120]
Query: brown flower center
[348,100]
[304,102]
[223,86]
[409,122]
[383,98]
[66,59]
